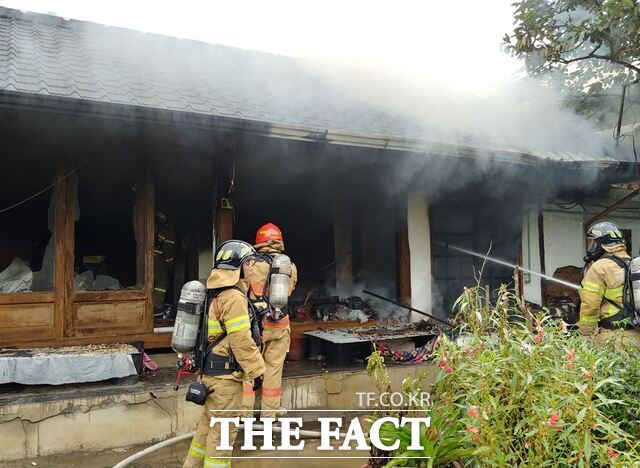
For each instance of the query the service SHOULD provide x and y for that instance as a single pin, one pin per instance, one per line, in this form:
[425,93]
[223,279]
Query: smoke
[523,115]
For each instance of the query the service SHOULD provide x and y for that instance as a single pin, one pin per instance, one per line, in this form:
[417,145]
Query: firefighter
[234,359]
[603,285]
[163,261]
[276,333]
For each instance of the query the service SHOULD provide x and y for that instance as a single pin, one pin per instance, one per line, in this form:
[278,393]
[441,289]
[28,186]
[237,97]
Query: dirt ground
[172,457]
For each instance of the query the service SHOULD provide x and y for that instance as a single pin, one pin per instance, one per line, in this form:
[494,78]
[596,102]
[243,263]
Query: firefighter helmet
[600,235]
[232,253]
[605,233]
[229,258]
[268,232]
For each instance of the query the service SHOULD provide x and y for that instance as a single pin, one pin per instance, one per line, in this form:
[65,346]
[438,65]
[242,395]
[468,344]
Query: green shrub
[518,390]
[627,413]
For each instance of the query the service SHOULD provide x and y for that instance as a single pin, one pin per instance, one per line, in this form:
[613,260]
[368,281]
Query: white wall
[419,233]
[563,245]
[564,241]
[531,257]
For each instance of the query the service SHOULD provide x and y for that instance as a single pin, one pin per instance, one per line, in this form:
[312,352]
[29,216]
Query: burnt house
[108,136]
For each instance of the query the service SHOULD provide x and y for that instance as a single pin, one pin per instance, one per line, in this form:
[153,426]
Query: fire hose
[168,442]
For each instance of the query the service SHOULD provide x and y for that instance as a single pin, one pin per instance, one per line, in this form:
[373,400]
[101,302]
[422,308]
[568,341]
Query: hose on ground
[175,440]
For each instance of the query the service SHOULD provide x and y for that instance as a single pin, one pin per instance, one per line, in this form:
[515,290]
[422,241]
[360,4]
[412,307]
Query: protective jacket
[276,336]
[228,312]
[603,281]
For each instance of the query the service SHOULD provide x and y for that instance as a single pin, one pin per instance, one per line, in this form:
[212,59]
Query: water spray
[510,265]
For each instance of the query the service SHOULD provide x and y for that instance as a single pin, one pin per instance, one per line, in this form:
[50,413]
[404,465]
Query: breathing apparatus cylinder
[190,307]
[280,281]
[634,276]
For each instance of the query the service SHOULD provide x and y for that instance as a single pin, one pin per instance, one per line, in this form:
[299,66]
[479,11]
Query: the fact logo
[329,433]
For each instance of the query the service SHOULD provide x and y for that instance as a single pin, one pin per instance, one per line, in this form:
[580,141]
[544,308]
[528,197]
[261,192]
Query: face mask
[594,251]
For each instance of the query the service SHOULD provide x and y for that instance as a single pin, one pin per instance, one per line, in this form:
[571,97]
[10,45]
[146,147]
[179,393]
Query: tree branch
[607,58]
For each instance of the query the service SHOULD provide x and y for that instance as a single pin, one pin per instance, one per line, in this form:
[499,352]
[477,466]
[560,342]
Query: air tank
[190,307]
[280,281]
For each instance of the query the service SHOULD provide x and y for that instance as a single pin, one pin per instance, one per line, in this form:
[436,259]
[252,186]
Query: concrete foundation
[73,423]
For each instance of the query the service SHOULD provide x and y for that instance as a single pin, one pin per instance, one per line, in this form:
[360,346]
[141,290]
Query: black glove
[257,384]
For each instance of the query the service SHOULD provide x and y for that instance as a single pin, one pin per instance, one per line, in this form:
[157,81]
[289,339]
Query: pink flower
[442,363]
[448,370]
[538,339]
[475,438]
[472,430]
[571,355]
[612,452]
[570,365]
[473,412]
[586,375]
[552,421]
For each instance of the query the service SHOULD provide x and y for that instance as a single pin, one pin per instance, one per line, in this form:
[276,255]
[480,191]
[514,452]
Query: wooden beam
[151,340]
[120,295]
[404,255]
[27,298]
[224,224]
[611,208]
[60,263]
[149,210]
[343,245]
[68,254]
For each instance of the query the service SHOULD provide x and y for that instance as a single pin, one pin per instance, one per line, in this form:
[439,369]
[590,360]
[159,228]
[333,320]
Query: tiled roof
[50,56]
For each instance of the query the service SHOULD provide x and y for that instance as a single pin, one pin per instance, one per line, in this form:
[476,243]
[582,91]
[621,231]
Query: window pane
[27,244]
[105,239]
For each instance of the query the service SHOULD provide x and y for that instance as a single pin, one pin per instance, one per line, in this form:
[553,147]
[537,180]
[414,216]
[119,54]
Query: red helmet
[268,232]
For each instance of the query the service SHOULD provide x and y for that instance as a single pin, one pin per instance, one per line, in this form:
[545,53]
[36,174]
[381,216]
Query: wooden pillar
[146,211]
[224,224]
[60,263]
[343,245]
[68,255]
[404,256]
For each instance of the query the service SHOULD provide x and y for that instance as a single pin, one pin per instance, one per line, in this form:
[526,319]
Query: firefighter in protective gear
[163,259]
[276,334]
[603,284]
[233,360]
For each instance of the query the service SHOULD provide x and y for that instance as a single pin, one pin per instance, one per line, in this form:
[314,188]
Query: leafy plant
[516,389]
[530,395]
[595,42]
[627,413]
[440,441]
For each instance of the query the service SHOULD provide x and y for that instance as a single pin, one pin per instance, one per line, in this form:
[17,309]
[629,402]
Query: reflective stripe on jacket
[229,311]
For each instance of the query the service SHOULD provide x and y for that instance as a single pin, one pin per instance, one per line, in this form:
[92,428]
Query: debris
[16,278]
[149,363]
[358,315]
[377,333]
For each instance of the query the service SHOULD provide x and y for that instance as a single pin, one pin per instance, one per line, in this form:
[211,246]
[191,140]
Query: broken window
[478,229]
[27,220]
[105,237]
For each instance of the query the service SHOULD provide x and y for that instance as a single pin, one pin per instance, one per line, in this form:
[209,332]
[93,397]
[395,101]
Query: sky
[455,44]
